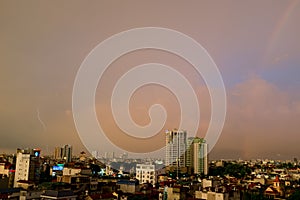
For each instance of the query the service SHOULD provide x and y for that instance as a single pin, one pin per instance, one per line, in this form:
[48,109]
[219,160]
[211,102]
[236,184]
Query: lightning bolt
[40,120]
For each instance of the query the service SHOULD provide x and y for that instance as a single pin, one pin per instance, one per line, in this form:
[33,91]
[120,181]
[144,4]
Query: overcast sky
[255,45]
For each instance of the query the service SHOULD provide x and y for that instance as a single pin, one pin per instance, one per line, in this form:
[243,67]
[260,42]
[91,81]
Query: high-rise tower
[63,153]
[197,155]
[67,153]
[175,148]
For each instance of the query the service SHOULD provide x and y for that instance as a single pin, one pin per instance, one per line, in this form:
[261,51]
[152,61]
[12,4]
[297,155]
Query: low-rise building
[62,194]
[128,186]
[146,173]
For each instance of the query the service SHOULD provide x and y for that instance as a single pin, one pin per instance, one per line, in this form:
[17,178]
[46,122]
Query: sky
[254,44]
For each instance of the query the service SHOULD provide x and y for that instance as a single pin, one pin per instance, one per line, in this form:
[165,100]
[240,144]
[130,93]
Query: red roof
[276,179]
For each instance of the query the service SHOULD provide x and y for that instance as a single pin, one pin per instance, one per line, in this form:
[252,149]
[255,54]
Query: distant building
[27,166]
[176,143]
[71,171]
[128,186]
[124,156]
[197,155]
[189,153]
[145,173]
[109,155]
[4,170]
[95,154]
[67,153]
[63,153]
[5,175]
[214,195]
[58,153]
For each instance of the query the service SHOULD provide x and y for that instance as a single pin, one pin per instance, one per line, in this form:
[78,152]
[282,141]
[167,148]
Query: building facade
[197,155]
[27,166]
[58,153]
[176,143]
[63,153]
[67,153]
[146,173]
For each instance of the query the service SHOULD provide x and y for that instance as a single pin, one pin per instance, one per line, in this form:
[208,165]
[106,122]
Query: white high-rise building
[146,173]
[175,148]
[27,165]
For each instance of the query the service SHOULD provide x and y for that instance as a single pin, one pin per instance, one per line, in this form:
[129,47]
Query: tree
[294,196]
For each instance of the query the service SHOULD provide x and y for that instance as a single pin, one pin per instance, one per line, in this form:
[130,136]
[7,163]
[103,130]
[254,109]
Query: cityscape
[185,173]
[162,100]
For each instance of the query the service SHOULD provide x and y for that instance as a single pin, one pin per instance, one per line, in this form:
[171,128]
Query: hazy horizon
[254,44]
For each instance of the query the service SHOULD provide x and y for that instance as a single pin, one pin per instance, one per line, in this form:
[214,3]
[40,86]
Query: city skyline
[254,44]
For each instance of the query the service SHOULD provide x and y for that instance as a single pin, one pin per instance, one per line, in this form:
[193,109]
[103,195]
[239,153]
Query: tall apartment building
[58,153]
[63,153]
[146,173]
[176,145]
[27,165]
[189,154]
[67,153]
[197,157]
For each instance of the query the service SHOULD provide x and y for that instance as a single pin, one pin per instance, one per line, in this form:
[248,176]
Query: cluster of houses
[87,178]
